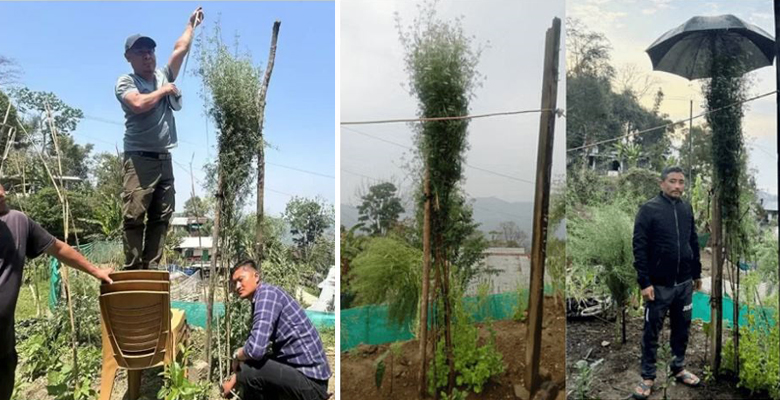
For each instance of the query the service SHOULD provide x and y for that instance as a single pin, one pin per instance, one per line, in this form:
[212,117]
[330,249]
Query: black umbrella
[689,49]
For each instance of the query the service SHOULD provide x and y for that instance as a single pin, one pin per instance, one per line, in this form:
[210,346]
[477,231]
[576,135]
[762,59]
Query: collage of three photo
[354,199]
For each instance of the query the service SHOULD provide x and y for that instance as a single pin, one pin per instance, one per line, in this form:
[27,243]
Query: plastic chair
[139,329]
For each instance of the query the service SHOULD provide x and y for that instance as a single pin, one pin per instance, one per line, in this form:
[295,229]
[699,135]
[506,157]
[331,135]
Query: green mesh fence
[701,310]
[370,324]
[196,314]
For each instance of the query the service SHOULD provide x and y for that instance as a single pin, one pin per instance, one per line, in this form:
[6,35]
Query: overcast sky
[372,71]
[632,25]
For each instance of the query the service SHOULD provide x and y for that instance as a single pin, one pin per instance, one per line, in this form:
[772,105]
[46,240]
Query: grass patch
[25,307]
[328,336]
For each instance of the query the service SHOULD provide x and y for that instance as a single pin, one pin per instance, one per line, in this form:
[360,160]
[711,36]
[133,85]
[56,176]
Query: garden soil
[618,374]
[358,365]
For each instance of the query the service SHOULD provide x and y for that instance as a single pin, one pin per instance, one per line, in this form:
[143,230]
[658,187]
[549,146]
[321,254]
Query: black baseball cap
[138,39]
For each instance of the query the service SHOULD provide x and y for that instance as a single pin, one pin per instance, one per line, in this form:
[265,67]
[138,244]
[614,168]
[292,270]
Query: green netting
[370,324]
[103,252]
[701,310]
[196,314]
[54,283]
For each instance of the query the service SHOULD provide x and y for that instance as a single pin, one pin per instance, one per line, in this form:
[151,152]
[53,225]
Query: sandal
[687,378]
[645,388]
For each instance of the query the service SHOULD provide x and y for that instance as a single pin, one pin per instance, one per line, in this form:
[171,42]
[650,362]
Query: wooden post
[716,301]
[426,280]
[261,146]
[533,340]
[213,270]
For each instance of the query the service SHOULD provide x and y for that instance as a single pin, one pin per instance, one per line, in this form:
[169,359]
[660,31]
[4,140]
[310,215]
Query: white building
[194,248]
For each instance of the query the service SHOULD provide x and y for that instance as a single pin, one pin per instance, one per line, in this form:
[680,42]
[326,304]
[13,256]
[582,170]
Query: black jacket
[666,247]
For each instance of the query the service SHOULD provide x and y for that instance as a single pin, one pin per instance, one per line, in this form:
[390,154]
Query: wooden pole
[213,270]
[426,280]
[261,145]
[533,341]
[716,301]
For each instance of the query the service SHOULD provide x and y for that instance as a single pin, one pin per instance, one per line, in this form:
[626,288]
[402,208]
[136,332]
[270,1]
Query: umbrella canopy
[689,49]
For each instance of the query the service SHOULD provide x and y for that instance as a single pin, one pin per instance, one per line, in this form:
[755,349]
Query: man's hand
[228,385]
[170,88]
[102,274]
[648,293]
[197,17]
[697,284]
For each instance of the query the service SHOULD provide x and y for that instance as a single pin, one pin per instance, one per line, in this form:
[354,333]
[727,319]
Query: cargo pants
[148,202]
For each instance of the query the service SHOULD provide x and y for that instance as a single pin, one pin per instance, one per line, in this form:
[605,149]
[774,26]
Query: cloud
[596,17]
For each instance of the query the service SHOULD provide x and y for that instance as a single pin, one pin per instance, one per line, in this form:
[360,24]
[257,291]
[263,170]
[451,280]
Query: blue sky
[75,49]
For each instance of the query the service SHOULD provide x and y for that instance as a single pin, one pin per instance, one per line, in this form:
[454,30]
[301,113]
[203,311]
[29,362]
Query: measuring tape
[175,100]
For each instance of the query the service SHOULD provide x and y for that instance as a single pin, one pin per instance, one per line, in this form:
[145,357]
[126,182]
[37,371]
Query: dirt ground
[619,373]
[358,369]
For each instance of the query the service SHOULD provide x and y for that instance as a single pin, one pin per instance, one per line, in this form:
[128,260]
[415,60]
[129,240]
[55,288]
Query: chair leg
[107,377]
[108,374]
[134,383]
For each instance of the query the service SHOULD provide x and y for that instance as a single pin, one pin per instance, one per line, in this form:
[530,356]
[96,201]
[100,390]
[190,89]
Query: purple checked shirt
[278,319]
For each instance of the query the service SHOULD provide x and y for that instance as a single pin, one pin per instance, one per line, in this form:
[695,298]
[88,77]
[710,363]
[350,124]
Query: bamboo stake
[65,214]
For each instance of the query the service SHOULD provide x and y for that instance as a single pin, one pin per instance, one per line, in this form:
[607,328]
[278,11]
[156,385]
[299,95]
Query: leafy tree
[44,207]
[308,219]
[65,117]
[597,112]
[441,61]
[380,209]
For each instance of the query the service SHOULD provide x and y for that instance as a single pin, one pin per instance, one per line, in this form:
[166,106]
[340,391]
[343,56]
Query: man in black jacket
[666,258]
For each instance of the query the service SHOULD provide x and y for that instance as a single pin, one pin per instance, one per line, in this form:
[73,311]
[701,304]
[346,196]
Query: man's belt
[149,154]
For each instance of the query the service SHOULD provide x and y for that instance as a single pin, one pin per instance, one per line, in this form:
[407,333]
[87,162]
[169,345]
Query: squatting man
[283,358]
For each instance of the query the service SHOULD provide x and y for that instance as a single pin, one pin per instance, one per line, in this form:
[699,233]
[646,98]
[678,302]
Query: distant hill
[490,212]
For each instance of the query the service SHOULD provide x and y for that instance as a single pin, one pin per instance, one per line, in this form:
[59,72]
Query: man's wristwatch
[235,354]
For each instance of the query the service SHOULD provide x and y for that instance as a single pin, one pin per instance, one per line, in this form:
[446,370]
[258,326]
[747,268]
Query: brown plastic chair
[134,286]
[139,329]
[140,275]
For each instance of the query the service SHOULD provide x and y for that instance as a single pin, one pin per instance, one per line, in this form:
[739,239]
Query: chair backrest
[134,286]
[143,275]
[138,324]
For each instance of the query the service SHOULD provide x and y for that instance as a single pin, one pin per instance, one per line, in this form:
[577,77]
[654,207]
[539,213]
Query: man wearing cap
[148,98]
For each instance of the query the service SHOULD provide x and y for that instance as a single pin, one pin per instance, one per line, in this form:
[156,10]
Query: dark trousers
[148,201]
[7,371]
[678,301]
[269,379]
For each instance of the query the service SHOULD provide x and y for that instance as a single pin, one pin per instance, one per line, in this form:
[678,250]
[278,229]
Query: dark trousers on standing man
[269,379]
[7,371]
[148,202]
[678,301]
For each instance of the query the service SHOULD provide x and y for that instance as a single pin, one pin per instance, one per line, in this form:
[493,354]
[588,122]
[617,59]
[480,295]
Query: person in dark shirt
[668,266]
[22,238]
[283,356]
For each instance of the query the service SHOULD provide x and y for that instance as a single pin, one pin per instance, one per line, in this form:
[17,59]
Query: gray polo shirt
[154,130]
[20,238]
